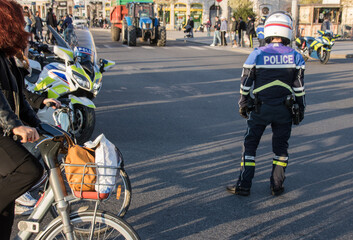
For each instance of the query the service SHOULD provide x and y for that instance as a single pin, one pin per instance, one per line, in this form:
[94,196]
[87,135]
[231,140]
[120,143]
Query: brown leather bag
[83,177]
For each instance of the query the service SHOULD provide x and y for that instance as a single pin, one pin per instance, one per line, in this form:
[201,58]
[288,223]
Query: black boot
[238,190]
[276,191]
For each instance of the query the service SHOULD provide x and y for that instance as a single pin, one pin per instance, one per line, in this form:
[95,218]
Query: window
[179,5]
[333,14]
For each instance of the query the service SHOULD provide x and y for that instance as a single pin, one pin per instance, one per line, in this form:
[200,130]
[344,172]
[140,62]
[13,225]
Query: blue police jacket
[273,72]
[260,31]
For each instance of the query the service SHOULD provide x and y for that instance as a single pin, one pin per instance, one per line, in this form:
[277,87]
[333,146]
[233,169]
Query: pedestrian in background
[51,21]
[326,24]
[260,32]
[39,27]
[33,25]
[217,34]
[68,28]
[233,31]
[241,31]
[191,24]
[208,27]
[250,30]
[224,29]
[27,19]
[274,82]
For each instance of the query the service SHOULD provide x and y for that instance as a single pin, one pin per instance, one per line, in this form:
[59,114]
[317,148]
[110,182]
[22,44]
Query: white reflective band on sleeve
[248,66]
[298,89]
[249,157]
[281,158]
[277,66]
[244,87]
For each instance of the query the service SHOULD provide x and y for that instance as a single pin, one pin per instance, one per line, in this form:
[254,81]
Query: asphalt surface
[172,112]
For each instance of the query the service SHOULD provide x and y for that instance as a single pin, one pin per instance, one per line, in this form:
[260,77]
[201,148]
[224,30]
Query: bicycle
[69,225]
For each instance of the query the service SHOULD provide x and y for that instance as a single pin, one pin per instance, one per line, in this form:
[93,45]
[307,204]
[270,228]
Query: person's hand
[243,111]
[28,134]
[54,101]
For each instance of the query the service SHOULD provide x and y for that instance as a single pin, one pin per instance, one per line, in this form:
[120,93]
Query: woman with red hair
[19,170]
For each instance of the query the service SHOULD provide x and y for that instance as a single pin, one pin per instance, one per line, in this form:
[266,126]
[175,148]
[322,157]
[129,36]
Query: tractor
[140,22]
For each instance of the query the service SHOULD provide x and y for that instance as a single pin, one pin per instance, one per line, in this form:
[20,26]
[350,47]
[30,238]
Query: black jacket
[14,108]
[250,29]
[51,20]
[190,23]
[217,25]
[241,26]
[39,24]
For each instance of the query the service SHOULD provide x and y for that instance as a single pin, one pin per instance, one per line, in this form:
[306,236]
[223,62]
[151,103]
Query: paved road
[171,111]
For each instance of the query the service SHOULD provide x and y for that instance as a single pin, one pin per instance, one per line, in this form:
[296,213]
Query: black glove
[244,112]
[301,114]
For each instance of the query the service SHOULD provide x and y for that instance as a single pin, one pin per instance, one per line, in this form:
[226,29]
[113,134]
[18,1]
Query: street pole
[295,17]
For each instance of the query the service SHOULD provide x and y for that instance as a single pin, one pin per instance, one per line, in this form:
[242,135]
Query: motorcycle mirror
[105,65]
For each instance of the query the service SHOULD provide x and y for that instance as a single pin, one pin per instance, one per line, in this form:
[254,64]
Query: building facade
[174,14]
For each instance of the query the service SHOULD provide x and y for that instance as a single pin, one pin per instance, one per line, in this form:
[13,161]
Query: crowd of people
[34,24]
[239,32]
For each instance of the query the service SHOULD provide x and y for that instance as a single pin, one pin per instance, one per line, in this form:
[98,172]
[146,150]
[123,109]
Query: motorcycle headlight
[96,88]
[82,80]
[325,41]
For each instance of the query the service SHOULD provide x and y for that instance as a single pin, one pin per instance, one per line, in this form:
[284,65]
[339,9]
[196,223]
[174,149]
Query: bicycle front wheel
[106,227]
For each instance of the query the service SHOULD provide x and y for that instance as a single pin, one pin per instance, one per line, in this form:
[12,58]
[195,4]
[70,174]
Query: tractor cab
[142,15]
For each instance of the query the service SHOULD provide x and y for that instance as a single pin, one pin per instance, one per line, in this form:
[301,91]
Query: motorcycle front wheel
[323,55]
[84,120]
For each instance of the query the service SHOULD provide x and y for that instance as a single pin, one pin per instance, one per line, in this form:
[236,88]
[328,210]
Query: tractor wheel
[162,37]
[131,36]
[115,34]
[124,34]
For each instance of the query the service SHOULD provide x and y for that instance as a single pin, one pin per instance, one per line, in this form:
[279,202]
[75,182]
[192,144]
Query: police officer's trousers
[280,120]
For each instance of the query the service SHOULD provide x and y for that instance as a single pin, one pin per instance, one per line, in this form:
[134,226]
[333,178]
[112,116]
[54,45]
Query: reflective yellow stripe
[73,100]
[272,84]
[313,43]
[98,77]
[68,52]
[299,94]
[298,40]
[243,92]
[280,163]
[44,83]
[248,164]
[61,89]
[52,94]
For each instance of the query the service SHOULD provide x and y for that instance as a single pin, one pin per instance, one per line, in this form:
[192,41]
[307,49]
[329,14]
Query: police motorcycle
[75,78]
[317,48]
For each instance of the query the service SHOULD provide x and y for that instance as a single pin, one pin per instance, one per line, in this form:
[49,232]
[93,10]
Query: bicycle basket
[105,180]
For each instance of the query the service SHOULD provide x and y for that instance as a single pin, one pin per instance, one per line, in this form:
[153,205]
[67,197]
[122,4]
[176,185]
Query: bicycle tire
[107,226]
[123,202]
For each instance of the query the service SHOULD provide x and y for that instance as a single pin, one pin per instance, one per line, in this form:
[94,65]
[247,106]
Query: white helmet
[279,24]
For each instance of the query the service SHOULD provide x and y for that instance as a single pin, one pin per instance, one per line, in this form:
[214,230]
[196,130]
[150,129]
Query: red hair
[13,37]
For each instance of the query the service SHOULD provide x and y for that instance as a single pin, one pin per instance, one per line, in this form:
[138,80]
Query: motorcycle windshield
[59,40]
[86,46]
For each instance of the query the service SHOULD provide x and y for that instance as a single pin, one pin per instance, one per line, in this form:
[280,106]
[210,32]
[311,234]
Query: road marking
[107,46]
[147,47]
[198,48]
[126,46]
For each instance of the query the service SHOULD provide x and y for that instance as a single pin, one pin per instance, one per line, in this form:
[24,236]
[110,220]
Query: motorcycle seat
[34,76]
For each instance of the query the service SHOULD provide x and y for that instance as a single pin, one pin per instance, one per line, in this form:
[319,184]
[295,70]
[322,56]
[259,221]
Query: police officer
[260,32]
[275,73]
